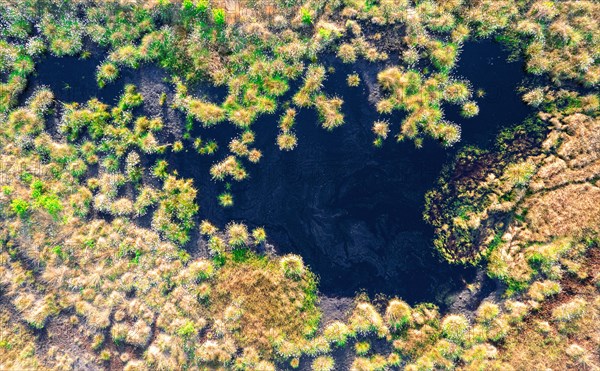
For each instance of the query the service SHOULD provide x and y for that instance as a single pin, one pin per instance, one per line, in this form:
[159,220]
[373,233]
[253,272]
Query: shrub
[519,174]
[540,290]
[410,56]
[24,121]
[292,266]
[145,125]
[64,35]
[176,208]
[247,137]
[238,147]
[544,256]
[353,80]
[207,149]
[188,329]
[77,168]
[122,207]
[398,314]
[570,311]
[219,16]
[381,129]
[177,146]
[306,16]
[446,132]
[41,101]
[118,332]
[230,166]
[20,207]
[254,155]
[394,360]
[287,120]
[487,311]
[517,310]
[479,352]
[365,319]
[207,228]
[160,169]
[499,328]
[337,332]
[130,98]
[226,199]
[146,198]
[392,78]
[534,97]
[237,234]
[362,347]
[323,363]
[347,53]
[313,79]
[287,141]
[469,109]
[132,166]
[455,327]
[216,245]
[127,55]
[302,98]
[443,56]
[259,235]
[38,315]
[457,92]
[329,111]
[107,73]
[138,334]
[207,113]
[295,362]
[581,356]
[202,269]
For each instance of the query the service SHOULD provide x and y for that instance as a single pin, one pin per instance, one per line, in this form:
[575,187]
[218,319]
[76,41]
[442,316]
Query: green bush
[226,199]
[130,98]
[306,16]
[219,17]
[19,207]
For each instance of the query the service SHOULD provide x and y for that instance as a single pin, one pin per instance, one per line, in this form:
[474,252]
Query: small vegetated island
[106,259]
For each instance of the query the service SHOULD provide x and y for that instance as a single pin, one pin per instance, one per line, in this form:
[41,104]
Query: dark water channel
[353,211]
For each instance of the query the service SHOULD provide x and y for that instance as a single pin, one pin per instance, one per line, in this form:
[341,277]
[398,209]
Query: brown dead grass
[531,349]
[566,211]
[272,305]
[578,157]
[17,344]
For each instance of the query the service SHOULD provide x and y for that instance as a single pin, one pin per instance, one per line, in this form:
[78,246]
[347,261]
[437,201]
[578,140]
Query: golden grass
[271,305]
[544,342]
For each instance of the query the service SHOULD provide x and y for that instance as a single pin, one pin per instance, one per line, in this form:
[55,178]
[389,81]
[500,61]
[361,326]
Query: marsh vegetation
[152,153]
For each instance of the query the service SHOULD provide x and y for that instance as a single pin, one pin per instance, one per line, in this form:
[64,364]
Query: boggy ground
[353,211]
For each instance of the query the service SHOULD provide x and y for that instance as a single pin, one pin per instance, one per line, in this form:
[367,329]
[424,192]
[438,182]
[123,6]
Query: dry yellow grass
[270,305]
[542,343]
[567,211]
[578,157]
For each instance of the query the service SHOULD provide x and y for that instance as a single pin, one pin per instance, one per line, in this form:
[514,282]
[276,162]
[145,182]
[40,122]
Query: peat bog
[351,210]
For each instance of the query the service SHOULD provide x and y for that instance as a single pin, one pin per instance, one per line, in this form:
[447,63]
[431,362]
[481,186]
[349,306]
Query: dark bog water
[353,211]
